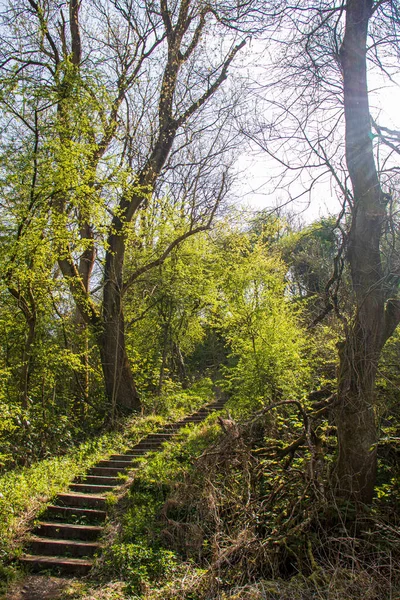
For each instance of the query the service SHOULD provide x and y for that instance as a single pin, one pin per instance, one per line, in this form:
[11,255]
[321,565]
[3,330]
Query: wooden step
[68,566]
[93,480]
[152,445]
[128,458]
[115,464]
[89,488]
[82,500]
[85,502]
[135,453]
[105,471]
[75,513]
[67,531]
[56,547]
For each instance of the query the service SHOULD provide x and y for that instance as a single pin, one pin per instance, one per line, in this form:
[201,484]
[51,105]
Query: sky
[255,189]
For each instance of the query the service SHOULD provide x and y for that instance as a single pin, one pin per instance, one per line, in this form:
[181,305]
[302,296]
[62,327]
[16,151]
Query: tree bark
[120,387]
[27,360]
[119,384]
[81,383]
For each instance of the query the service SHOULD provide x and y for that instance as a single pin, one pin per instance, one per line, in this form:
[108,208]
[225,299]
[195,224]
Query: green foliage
[310,252]
[226,291]
[175,401]
[173,301]
[260,520]
[139,565]
[268,347]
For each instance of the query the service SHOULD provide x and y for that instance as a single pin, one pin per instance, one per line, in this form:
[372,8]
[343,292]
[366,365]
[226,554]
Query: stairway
[68,536]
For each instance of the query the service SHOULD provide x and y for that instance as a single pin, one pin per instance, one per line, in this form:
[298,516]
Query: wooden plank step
[67,531]
[115,464]
[75,513]
[135,453]
[93,480]
[55,547]
[82,500]
[128,458]
[105,471]
[149,445]
[139,454]
[89,488]
[68,566]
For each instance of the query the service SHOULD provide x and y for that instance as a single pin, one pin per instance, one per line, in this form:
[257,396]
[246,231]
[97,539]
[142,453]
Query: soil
[38,588]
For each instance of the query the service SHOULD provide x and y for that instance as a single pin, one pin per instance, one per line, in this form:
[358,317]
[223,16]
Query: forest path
[38,587]
[69,534]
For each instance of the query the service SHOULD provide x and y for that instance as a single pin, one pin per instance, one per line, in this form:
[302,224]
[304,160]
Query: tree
[174,298]
[113,113]
[377,316]
[258,322]
[321,126]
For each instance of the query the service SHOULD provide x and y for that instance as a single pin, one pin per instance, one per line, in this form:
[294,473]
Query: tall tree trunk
[120,388]
[119,384]
[180,366]
[355,418]
[81,381]
[372,324]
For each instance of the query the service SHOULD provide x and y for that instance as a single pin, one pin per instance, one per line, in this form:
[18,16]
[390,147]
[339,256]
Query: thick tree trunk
[355,419]
[81,381]
[120,387]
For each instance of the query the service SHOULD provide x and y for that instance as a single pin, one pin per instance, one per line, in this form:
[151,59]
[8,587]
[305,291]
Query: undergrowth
[229,513]
[136,554]
[262,522]
[26,491]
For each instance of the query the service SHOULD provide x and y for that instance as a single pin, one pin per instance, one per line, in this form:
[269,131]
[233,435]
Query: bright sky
[255,189]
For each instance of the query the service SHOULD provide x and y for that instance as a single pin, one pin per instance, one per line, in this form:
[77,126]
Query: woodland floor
[37,587]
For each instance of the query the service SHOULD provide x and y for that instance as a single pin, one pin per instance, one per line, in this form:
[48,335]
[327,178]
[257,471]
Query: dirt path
[38,588]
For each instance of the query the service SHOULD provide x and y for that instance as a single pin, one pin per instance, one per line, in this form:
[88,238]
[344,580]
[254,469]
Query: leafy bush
[139,565]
